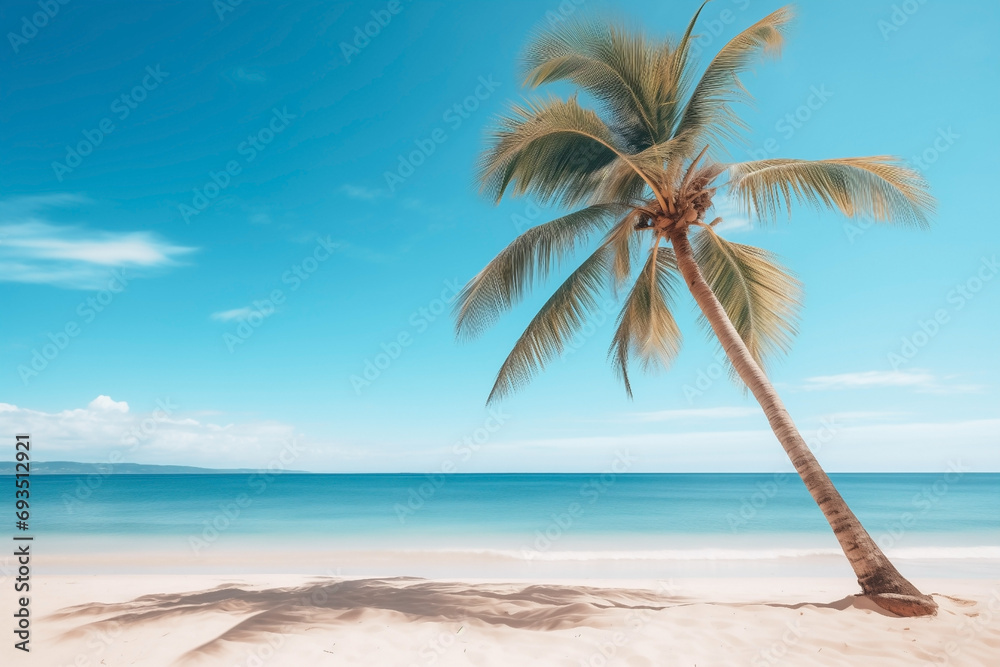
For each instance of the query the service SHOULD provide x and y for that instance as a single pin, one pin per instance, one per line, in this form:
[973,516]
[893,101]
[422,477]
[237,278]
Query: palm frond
[880,187]
[708,116]
[614,64]
[623,242]
[529,258]
[548,332]
[626,178]
[761,298]
[646,329]
[676,75]
[550,148]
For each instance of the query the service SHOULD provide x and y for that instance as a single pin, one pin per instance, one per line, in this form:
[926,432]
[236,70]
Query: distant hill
[77,468]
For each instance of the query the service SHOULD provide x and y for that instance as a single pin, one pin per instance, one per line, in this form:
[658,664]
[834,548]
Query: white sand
[252,621]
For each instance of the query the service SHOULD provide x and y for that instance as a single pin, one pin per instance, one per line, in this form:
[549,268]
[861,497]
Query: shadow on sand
[327,603]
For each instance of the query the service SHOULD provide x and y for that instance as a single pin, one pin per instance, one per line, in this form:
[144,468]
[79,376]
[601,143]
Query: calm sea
[537,517]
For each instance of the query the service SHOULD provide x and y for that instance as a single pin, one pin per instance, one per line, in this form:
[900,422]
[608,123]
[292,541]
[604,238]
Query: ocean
[945,524]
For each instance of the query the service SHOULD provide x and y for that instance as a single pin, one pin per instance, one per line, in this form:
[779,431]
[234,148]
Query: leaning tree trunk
[879,579]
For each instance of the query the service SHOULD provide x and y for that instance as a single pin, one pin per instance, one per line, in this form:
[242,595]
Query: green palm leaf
[761,298]
[879,187]
[529,258]
[646,329]
[549,331]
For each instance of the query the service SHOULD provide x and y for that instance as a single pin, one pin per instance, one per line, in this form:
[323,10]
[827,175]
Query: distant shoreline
[105,469]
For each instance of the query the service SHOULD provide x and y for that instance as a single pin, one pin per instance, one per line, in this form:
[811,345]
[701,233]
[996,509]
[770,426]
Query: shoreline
[281,556]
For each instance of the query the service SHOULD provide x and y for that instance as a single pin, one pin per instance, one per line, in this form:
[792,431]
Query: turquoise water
[512,526]
[474,508]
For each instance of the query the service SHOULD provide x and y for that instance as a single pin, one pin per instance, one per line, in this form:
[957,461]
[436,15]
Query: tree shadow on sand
[326,603]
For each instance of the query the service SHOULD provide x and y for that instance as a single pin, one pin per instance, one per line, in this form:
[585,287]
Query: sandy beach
[249,621]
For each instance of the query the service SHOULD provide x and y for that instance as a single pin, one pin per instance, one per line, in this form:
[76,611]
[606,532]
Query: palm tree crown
[644,166]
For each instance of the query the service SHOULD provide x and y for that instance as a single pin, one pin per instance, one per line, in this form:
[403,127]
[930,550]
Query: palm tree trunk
[879,579]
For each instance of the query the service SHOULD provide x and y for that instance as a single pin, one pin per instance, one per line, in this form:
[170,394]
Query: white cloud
[168,435]
[103,402]
[733,218]
[697,413]
[234,314]
[162,435]
[35,250]
[919,380]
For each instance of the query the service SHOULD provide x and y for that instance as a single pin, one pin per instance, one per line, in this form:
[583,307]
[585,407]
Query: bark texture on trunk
[878,577]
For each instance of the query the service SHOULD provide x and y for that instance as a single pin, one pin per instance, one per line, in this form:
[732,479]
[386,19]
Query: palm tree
[645,171]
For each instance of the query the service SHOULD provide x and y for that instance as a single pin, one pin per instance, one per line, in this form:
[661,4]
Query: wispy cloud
[234,314]
[14,207]
[867,415]
[918,380]
[866,379]
[733,217]
[696,413]
[361,192]
[35,250]
[899,447]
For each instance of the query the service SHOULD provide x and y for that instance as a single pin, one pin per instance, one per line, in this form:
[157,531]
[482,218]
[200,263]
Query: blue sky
[237,167]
